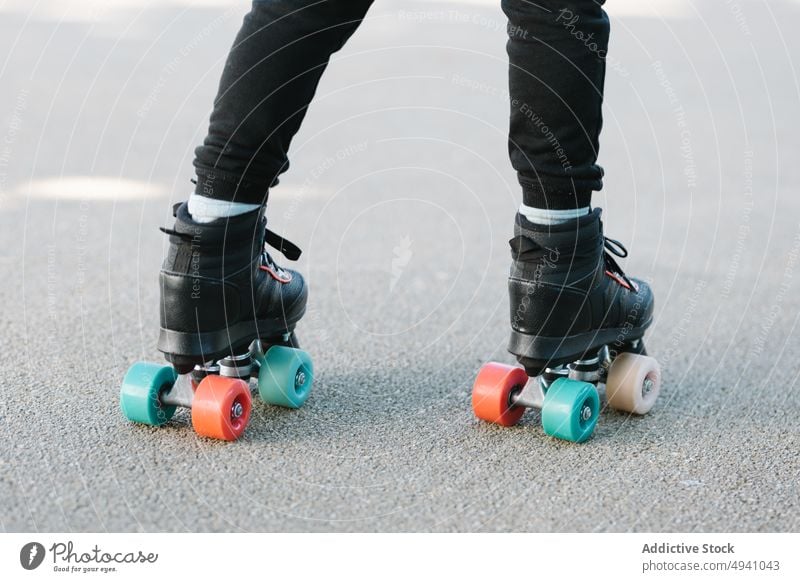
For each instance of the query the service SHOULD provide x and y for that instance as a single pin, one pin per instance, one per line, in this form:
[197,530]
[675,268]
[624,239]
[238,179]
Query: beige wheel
[633,383]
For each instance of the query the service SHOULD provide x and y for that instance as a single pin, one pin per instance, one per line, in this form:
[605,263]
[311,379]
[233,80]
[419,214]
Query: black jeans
[556,71]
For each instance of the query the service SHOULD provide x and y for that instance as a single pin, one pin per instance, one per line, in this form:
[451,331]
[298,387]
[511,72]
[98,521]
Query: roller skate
[577,328]
[228,314]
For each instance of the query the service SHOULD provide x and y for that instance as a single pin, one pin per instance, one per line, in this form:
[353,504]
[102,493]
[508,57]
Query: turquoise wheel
[285,377]
[570,410]
[140,390]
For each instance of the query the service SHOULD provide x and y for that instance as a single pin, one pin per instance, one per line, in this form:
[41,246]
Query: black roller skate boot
[576,321]
[228,313]
[568,295]
[220,289]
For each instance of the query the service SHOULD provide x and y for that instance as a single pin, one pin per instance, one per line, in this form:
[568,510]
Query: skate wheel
[491,393]
[138,396]
[633,383]
[221,407]
[286,376]
[570,410]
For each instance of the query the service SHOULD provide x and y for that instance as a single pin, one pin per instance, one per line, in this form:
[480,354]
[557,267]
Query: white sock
[549,216]
[204,209]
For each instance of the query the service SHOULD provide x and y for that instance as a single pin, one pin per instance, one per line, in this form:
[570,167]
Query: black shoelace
[614,247]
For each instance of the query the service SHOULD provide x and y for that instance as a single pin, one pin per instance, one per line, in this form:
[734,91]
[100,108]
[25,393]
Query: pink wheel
[633,383]
[491,393]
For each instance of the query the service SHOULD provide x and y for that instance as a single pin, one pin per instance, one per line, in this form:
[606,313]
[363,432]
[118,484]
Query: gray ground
[405,248]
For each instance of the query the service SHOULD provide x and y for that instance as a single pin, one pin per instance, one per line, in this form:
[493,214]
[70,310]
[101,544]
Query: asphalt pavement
[402,197]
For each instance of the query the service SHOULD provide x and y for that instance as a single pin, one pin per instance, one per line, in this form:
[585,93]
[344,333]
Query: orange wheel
[221,407]
[491,393]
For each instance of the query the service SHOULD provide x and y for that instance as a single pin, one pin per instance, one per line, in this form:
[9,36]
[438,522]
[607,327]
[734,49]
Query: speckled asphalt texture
[402,198]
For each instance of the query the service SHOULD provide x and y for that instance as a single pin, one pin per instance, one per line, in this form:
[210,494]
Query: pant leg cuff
[222,186]
[558,195]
